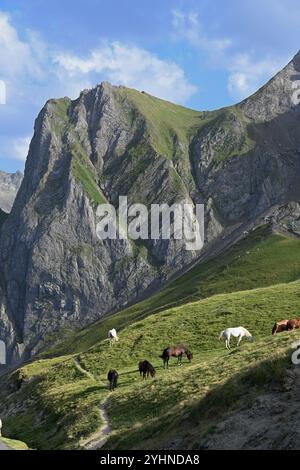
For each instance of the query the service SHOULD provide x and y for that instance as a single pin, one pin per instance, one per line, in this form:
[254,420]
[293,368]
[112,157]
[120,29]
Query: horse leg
[239,341]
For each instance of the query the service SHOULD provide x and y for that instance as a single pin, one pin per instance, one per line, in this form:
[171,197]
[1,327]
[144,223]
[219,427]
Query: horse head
[189,355]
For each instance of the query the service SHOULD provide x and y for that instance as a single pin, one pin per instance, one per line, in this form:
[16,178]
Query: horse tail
[221,335]
[274,329]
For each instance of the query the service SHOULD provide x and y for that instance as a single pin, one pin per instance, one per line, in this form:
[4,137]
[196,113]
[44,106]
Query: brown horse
[280,326]
[146,369]
[293,325]
[112,377]
[176,351]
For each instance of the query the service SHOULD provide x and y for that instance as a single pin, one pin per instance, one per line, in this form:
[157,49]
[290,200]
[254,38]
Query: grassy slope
[58,401]
[259,261]
[66,400]
[164,120]
[15,445]
[169,124]
[185,403]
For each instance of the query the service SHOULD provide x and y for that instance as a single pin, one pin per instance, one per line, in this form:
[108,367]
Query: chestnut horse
[280,326]
[176,351]
[293,325]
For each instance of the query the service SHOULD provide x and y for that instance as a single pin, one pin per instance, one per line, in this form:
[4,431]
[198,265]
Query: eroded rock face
[9,186]
[241,162]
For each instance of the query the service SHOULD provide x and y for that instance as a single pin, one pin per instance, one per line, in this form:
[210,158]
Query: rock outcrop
[9,186]
[242,162]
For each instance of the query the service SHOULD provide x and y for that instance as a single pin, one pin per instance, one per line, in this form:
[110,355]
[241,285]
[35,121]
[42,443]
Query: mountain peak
[280,95]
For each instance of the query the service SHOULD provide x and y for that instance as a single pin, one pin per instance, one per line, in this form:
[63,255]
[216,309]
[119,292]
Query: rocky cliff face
[9,186]
[242,162]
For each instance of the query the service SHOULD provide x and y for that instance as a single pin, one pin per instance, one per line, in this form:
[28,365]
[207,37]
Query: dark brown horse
[176,351]
[293,325]
[112,377]
[146,369]
[280,326]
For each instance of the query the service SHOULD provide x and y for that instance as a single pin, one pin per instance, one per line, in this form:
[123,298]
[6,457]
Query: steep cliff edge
[242,162]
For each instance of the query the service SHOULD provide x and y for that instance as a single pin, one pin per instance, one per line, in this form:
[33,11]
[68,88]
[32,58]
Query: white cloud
[187,26]
[16,56]
[246,74]
[133,67]
[34,71]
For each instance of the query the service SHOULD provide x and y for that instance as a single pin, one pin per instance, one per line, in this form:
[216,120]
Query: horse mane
[247,332]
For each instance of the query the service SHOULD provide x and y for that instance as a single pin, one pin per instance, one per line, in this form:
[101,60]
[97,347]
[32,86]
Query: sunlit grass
[54,400]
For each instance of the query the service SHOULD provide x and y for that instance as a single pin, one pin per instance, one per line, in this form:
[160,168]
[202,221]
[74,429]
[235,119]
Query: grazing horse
[280,326]
[112,336]
[112,377]
[239,333]
[176,351]
[146,369]
[293,325]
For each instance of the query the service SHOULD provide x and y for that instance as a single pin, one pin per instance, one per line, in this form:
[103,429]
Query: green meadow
[54,400]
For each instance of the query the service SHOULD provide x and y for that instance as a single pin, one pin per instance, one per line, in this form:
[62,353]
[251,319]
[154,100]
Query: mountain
[222,399]
[242,162]
[9,186]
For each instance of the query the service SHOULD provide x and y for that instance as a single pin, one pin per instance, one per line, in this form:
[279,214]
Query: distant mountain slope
[242,162]
[9,186]
[262,259]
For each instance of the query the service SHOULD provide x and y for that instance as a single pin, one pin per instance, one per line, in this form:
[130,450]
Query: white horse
[239,333]
[112,336]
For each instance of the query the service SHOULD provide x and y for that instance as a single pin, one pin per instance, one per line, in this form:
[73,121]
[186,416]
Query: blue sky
[204,54]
